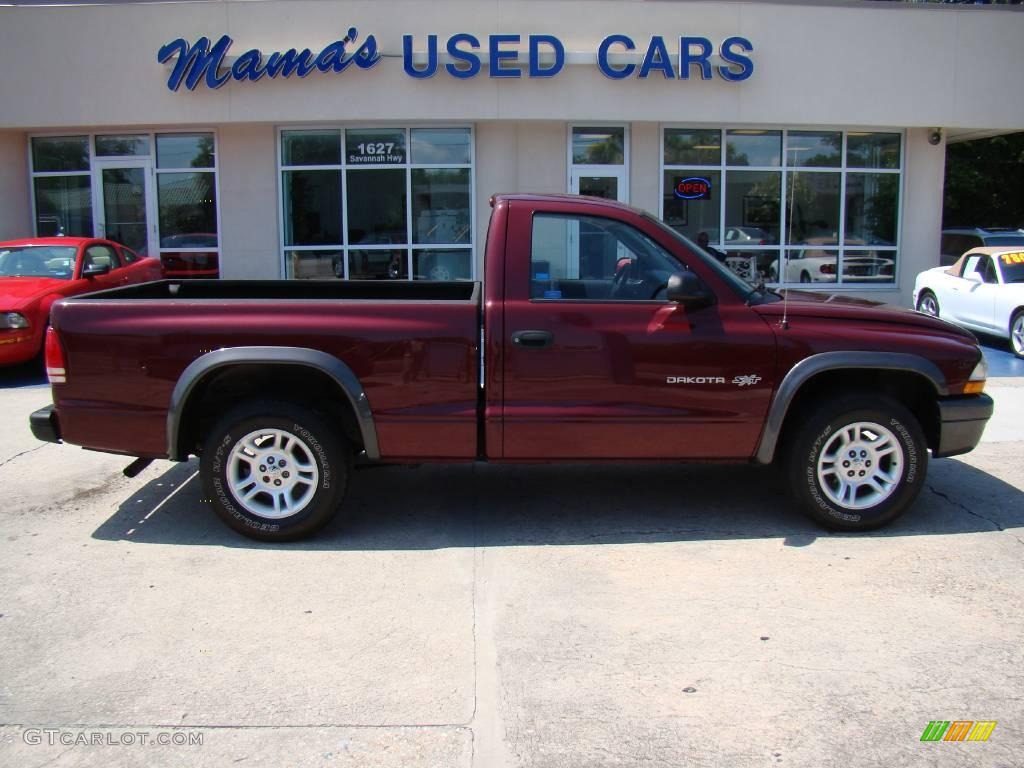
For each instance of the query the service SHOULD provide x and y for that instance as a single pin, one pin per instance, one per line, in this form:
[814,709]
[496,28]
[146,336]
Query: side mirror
[95,270]
[973,277]
[689,290]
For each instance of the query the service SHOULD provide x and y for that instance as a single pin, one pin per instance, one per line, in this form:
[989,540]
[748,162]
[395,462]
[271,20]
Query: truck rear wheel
[858,462]
[275,471]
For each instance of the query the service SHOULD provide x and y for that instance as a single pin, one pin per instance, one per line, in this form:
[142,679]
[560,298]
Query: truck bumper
[45,425]
[961,422]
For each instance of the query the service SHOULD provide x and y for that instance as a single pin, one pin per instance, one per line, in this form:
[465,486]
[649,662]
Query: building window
[62,186]
[377,203]
[154,193]
[187,203]
[788,206]
[598,161]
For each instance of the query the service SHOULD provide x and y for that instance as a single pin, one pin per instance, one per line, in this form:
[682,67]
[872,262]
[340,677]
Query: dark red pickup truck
[599,334]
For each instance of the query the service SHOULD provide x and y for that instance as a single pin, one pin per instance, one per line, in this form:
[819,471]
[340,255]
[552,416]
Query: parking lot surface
[506,616]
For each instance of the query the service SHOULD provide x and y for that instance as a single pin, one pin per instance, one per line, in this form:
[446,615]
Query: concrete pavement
[508,616]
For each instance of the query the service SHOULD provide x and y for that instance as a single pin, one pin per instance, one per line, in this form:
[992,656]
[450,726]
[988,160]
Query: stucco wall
[869,64]
[249,204]
[15,214]
[516,157]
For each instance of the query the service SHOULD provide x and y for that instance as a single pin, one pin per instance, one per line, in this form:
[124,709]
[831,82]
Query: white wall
[921,226]
[854,64]
[248,204]
[516,157]
[645,166]
[15,213]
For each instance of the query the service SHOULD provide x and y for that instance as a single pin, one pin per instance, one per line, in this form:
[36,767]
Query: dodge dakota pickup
[599,334]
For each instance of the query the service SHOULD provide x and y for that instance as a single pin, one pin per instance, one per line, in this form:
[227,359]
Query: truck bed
[412,345]
[369,290]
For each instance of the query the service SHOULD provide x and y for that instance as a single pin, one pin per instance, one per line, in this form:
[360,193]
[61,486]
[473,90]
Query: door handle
[532,339]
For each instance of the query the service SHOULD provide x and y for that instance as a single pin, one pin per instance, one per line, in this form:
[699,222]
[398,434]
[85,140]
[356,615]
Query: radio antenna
[783,256]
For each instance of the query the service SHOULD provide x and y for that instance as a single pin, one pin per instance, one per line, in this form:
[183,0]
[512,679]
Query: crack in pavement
[23,453]
[998,526]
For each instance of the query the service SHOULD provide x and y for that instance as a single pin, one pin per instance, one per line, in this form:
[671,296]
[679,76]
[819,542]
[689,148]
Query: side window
[128,256]
[987,270]
[100,256]
[971,264]
[595,259]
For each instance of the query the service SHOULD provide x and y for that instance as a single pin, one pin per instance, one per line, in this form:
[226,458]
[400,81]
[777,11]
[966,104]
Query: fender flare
[342,376]
[811,366]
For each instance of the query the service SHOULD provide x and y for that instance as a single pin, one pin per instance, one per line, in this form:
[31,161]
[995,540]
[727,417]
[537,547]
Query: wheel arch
[910,379]
[220,377]
[1014,313]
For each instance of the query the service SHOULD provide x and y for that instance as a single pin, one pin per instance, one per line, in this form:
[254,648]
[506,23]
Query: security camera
[935,137]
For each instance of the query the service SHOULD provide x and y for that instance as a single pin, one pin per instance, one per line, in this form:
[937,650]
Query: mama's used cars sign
[462,57]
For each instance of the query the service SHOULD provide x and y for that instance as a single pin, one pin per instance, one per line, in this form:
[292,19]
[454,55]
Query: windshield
[1013,267]
[743,289]
[56,261]
[1005,240]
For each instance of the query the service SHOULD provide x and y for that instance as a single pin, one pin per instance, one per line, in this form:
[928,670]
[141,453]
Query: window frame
[344,247]
[602,169]
[785,169]
[95,190]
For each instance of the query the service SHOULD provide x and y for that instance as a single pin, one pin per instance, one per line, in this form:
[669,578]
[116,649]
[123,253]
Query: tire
[888,447]
[805,277]
[307,466]
[927,303]
[1017,333]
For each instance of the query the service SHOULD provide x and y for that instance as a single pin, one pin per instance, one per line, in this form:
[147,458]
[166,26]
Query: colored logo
[958,730]
[693,188]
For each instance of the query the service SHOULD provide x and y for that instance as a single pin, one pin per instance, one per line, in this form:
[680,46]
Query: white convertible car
[983,291]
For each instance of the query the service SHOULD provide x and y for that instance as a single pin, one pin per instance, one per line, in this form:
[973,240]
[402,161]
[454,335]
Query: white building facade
[314,139]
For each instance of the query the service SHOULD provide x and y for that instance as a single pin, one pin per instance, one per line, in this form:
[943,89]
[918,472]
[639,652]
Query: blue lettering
[602,57]
[366,55]
[290,62]
[745,63]
[536,41]
[332,57]
[498,55]
[195,63]
[410,68]
[687,58]
[471,59]
[657,58]
[248,66]
[201,61]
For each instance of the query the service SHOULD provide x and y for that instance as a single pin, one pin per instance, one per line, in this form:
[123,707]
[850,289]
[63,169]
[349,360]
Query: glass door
[608,182]
[605,182]
[125,203]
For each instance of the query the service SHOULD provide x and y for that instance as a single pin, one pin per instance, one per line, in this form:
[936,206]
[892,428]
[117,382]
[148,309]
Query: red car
[35,272]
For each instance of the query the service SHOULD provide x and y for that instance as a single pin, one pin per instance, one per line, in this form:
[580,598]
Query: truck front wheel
[858,462]
[275,471]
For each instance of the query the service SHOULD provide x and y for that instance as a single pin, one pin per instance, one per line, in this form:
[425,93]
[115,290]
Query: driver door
[598,365]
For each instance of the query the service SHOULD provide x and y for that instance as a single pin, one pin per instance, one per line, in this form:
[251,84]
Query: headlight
[13,320]
[976,383]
